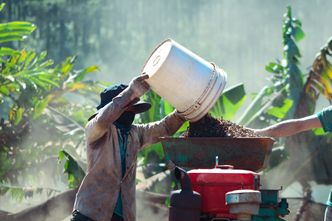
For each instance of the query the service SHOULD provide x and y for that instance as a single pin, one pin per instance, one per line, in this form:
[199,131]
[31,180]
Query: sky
[239,36]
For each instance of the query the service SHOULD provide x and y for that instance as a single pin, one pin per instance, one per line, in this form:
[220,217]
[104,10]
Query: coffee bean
[209,126]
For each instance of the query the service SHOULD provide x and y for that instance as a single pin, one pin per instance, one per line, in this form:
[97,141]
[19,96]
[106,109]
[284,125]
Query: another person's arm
[290,127]
[97,126]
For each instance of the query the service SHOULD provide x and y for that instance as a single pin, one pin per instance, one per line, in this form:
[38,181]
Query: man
[322,119]
[107,192]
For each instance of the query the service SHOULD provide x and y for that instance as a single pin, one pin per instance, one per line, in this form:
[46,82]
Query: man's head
[128,115]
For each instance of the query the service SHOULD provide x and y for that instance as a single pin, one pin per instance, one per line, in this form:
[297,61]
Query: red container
[213,184]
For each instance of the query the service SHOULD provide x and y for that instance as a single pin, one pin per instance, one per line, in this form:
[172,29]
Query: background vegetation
[49,84]
[240,36]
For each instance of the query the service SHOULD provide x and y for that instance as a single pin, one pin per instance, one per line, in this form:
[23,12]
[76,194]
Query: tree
[36,98]
[308,154]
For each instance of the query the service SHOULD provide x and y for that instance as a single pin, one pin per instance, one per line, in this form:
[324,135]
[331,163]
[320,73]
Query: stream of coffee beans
[209,126]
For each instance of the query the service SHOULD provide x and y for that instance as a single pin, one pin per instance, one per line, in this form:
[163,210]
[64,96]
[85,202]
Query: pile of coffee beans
[209,126]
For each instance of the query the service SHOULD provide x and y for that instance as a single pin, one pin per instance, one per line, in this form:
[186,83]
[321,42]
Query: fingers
[142,81]
[144,74]
[139,86]
[145,85]
[143,77]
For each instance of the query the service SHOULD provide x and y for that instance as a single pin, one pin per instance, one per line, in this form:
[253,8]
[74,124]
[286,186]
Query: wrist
[132,94]
[176,113]
[259,132]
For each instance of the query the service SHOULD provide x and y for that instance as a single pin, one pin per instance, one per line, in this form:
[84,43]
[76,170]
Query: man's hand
[139,86]
[177,113]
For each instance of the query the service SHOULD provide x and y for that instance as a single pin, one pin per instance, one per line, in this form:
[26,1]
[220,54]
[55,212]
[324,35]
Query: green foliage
[72,169]
[226,106]
[292,33]
[319,132]
[319,80]
[37,115]
[256,107]
[155,111]
[26,73]
[289,97]
[281,111]
[19,193]
[159,109]
[36,95]
[278,101]
[15,31]
[287,77]
[2,5]
[229,102]
[168,202]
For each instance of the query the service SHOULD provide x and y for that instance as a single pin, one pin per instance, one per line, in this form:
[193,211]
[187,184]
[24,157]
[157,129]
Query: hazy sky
[241,36]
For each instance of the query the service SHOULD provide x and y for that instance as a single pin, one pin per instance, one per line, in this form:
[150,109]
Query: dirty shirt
[104,182]
[325,118]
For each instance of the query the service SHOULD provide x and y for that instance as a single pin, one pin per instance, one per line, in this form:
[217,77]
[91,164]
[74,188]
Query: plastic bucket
[188,82]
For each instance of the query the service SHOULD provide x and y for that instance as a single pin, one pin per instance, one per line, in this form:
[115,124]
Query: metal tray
[200,152]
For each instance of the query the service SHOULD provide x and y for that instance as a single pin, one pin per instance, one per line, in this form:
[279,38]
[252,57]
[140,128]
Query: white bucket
[188,82]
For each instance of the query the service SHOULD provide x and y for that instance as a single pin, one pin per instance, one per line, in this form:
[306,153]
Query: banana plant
[279,100]
[319,81]
[37,115]
[14,31]
[159,109]
[229,102]
[309,152]
[289,97]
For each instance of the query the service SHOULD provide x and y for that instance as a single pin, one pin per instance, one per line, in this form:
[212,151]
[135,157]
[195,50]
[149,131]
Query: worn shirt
[100,188]
[325,118]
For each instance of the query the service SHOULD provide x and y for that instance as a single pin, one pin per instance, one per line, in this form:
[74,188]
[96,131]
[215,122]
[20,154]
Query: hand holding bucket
[188,82]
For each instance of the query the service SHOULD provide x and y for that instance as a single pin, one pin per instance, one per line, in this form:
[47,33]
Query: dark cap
[107,95]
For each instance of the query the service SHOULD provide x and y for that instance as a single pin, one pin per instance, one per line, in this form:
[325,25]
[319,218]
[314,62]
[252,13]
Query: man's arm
[290,127]
[97,126]
[150,133]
